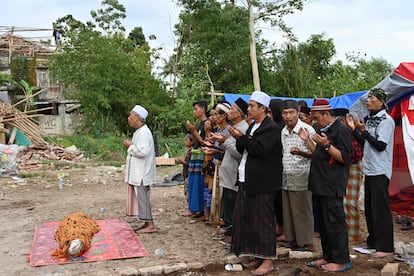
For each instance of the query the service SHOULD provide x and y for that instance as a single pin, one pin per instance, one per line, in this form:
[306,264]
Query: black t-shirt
[329,177]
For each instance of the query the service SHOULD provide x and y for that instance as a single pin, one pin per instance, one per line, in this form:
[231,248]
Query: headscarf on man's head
[223,107]
[380,94]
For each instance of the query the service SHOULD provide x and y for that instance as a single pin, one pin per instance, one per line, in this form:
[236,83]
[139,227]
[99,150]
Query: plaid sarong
[351,201]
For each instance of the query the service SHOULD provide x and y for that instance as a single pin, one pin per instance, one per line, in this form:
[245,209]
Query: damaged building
[28,60]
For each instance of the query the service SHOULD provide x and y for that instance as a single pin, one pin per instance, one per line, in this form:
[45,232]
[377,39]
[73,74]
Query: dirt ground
[35,199]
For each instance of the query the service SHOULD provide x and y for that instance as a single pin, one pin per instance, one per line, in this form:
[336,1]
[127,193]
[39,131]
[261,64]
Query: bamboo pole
[29,111]
[21,118]
[31,96]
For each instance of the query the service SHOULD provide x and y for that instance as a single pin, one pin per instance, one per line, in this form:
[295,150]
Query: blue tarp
[343,101]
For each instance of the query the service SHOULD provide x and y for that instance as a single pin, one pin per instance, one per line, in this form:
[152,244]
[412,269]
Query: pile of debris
[30,157]
[17,120]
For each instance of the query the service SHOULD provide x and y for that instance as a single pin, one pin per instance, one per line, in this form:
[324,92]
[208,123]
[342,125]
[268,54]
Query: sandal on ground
[408,225]
[219,237]
[402,219]
[316,264]
[401,258]
[197,215]
[147,230]
[347,266]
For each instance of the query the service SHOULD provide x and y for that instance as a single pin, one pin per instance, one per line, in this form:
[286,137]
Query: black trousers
[378,213]
[228,200]
[332,228]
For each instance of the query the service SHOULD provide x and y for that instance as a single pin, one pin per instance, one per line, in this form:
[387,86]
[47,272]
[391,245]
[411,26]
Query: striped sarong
[131,201]
[196,181]
[254,224]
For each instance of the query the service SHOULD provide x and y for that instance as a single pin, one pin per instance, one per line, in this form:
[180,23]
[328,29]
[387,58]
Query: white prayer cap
[260,97]
[142,112]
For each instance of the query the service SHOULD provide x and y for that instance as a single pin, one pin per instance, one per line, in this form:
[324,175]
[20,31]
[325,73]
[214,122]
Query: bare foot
[187,213]
[333,267]
[281,238]
[252,264]
[141,227]
[147,230]
[380,254]
[265,268]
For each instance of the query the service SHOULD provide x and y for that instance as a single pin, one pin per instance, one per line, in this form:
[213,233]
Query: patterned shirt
[357,151]
[295,167]
[381,126]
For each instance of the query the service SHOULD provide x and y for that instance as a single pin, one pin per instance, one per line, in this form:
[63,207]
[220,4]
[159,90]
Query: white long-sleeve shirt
[140,161]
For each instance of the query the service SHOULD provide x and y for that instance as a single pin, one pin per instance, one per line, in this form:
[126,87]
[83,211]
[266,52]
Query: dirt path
[27,202]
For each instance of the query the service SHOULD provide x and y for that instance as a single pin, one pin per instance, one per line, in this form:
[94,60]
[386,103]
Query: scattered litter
[233,267]
[363,250]
[159,251]
[17,179]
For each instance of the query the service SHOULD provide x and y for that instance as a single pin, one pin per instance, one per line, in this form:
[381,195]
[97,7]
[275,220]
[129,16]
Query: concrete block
[231,259]
[300,254]
[131,271]
[152,270]
[195,266]
[174,267]
[390,269]
[282,251]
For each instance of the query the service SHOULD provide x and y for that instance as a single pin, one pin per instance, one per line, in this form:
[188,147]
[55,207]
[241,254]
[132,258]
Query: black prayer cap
[242,105]
[340,111]
[287,104]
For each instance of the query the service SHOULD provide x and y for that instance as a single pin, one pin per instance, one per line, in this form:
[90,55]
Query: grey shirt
[381,126]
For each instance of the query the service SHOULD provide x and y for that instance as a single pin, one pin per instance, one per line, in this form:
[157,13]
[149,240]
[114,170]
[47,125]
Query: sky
[371,28]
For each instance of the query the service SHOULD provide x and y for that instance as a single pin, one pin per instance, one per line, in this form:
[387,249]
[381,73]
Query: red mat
[115,240]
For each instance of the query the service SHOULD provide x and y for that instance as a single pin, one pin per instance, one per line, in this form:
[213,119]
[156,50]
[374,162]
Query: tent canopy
[343,101]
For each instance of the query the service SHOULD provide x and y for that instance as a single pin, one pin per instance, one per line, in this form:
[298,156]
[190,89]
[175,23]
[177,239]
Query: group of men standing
[308,163]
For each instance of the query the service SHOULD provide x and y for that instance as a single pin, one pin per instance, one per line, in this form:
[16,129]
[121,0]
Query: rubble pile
[31,157]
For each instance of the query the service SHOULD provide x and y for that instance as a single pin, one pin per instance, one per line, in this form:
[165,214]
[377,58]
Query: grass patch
[109,150]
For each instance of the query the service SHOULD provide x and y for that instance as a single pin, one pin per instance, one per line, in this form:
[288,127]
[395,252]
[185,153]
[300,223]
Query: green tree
[106,72]
[272,12]
[307,69]
[360,74]
[212,36]
[137,37]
